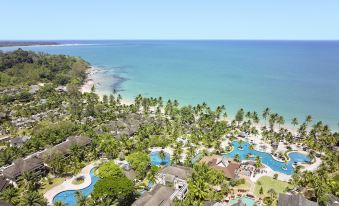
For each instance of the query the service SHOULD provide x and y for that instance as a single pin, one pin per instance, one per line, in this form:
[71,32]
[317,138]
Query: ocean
[293,78]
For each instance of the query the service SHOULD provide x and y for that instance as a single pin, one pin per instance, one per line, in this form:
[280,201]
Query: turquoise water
[68,196]
[246,200]
[156,160]
[267,158]
[293,78]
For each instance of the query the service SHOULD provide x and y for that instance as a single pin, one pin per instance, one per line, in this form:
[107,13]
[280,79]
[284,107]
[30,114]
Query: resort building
[3,184]
[332,200]
[176,175]
[3,203]
[19,141]
[226,165]
[294,200]
[164,194]
[19,166]
[159,195]
[65,147]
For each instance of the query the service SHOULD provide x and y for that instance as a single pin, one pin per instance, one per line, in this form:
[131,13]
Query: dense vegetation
[25,67]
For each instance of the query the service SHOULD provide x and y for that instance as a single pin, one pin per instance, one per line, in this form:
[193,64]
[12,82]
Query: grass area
[54,182]
[245,186]
[78,181]
[267,183]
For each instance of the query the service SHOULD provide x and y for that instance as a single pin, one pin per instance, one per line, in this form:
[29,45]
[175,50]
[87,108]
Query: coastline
[90,82]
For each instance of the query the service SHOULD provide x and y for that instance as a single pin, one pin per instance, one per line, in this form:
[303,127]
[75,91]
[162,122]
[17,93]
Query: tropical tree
[109,169]
[308,119]
[265,113]
[114,189]
[59,203]
[295,121]
[261,190]
[237,157]
[239,117]
[81,199]
[152,173]
[162,155]
[258,163]
[10,195]
[6,157]
[29,180]
[140,162]
[272,193]
[32,198]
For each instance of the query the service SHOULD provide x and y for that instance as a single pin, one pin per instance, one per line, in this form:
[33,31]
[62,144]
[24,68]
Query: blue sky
[172,19]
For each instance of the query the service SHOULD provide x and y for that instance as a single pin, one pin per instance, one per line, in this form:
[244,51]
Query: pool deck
[67,184]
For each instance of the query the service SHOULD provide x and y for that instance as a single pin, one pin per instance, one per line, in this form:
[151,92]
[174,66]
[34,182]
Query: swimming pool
[246,200]
[156,160]
[267,158]
[68,196]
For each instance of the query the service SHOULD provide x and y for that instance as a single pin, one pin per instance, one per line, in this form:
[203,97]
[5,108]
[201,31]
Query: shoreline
[90,82]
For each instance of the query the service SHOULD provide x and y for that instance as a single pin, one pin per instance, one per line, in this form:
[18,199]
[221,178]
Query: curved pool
[267,159]
[248,201]
[68,196]
[156,160]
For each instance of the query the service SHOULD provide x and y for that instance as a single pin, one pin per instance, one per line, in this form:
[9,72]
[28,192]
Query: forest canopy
[27,67]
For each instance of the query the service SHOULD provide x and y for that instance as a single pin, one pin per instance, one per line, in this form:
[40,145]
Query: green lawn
[268,183]
[45,186]
[245,186]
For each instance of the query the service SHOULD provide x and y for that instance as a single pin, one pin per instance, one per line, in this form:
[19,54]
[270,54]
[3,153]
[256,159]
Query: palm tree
[152,173]
[6,157]
[29,180]
[280,121]
[32,199]
[162,155]
[237,158]
[308,119]
[239,117]
[266,112]
[10,195]
[241,142]
[59,203]
[258,162]
[81,199]
[295,121]
[272,193]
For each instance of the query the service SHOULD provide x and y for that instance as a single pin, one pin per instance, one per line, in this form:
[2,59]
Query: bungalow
[34,89]
[3,203]
[5,138]
[3,183]
[19,166]
[19,141]
[162,194]
[176,175]
[64,148]
[333,200]
[226,165]
[294,200]
[61,89]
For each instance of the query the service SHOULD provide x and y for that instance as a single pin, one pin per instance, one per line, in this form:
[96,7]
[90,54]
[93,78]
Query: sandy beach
[92,81]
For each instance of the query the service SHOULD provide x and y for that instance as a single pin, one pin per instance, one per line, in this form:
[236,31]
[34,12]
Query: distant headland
[26,43]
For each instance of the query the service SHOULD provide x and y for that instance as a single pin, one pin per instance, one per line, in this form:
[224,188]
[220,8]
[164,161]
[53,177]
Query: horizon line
[169,40]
